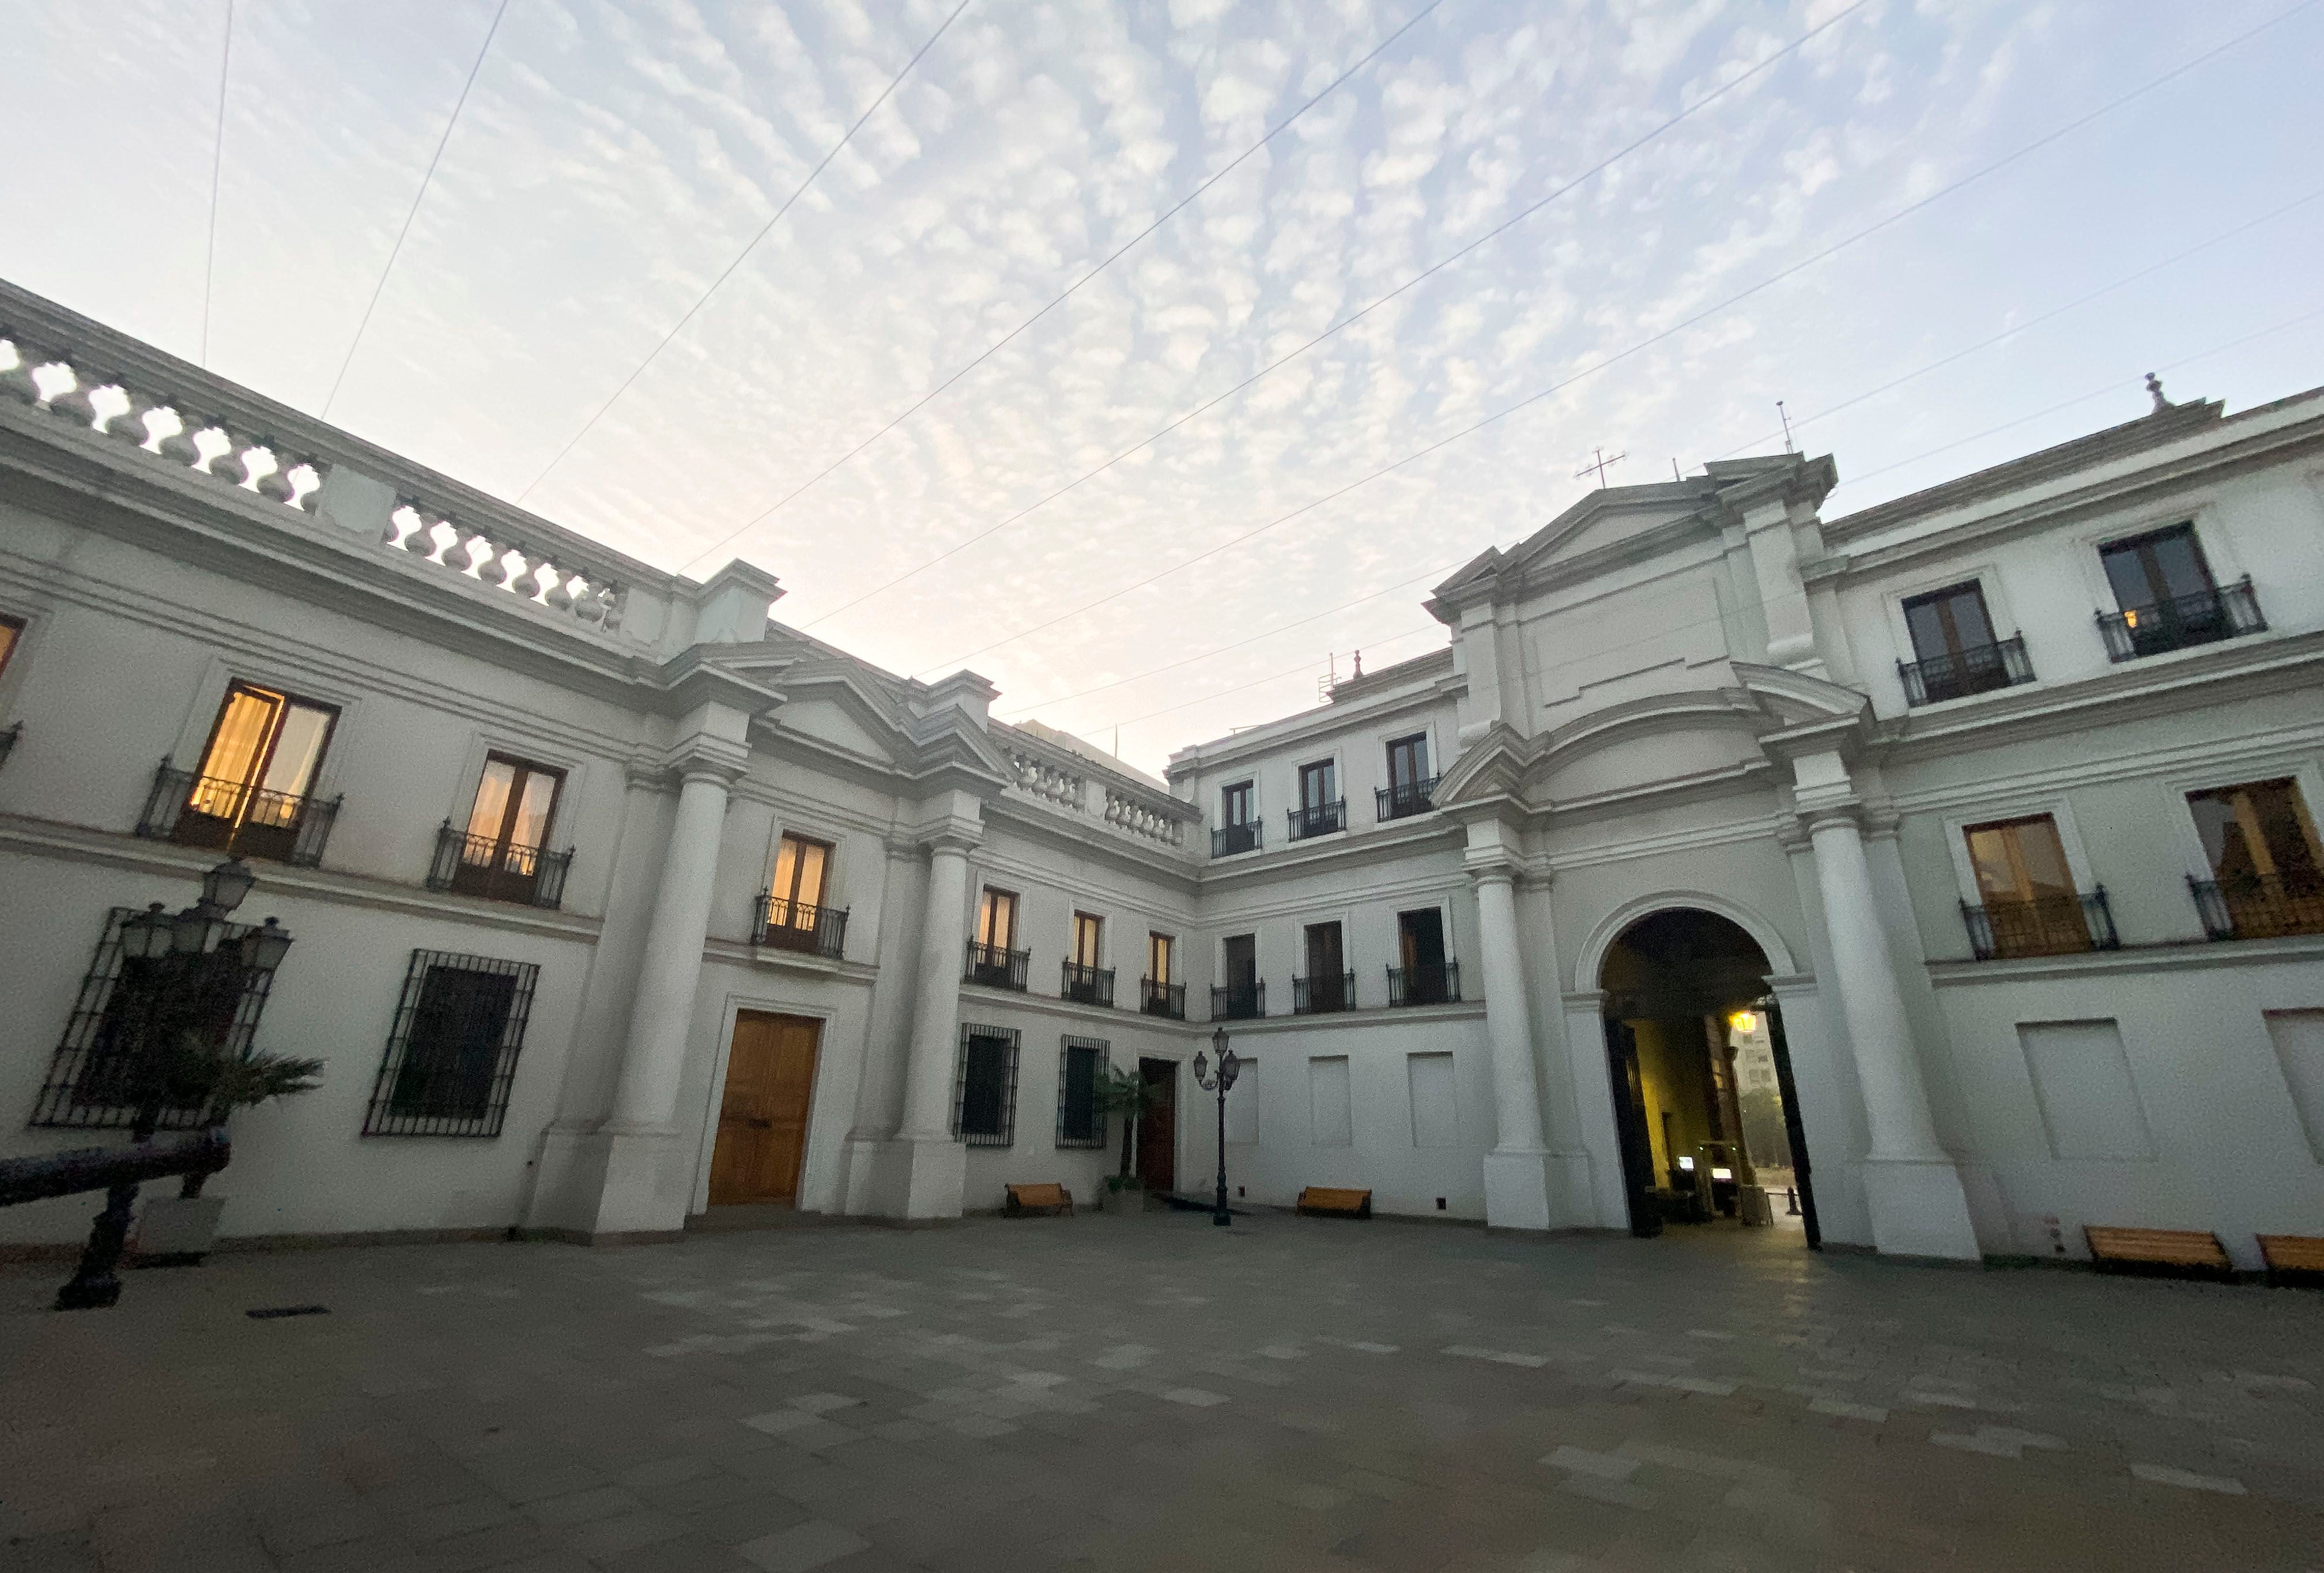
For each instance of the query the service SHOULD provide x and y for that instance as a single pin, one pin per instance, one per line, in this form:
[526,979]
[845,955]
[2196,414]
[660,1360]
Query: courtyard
[1154,1393]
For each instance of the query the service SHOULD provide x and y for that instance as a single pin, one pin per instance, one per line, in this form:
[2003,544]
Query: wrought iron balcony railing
[1087,985]
[230,817]
[1318,819]
[2252,906]
[1404,800]
[1321,994]
[1435,985]
[1238,1001]
[785,924]
[1163,999]
[1958,673]
[473,865]
[2048,925]
[997,968]
[1227,839]
[2176,623]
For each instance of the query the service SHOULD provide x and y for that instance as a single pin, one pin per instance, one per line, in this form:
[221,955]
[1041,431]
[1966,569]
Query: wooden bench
[2293,1257]
[1045,1200]
[1330,1201]
[2185,1250]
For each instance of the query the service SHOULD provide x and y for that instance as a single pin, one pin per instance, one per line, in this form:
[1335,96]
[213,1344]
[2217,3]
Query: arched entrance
[1701,1078]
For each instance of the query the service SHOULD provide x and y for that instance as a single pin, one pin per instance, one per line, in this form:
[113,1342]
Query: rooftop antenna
[1674,474]
[1598,465]
[1330,679]
[1787,415]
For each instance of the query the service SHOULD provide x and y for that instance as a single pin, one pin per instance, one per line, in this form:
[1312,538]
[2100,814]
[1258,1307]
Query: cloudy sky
[614,157]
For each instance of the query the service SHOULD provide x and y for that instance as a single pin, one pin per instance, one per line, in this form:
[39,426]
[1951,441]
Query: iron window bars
[195,810]
[2259,907]
[1087,985]
[784,925]
[2177,622]
[2046,925]
[476,865]
[984,1087]
[1081,1071]
[1238,1001]
[1436,985]
[1164,999]
[1958,673]
[1323,993]
[1318,819]
[88,1077]
[451,1053]
[997,967]
[1404,799]
[1227,839]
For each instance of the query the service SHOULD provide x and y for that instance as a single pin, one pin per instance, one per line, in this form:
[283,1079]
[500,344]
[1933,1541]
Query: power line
[1071,289]
[1645,344]
[416,197]
[1348,321]
[885,93]
[217,165]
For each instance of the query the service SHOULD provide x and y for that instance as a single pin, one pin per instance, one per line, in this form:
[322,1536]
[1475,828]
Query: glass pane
[2179,563]
[1158,957]
[813,863]
[785,880]
[2223,838]
[539,793]
[2044,858]
[1236,804]
[1085,937]
[492,799]
[298,748]
[1315,784]
[239,741]
[2127,573]
[1324,950]
[2019,860]
[1242,961]
[997,921]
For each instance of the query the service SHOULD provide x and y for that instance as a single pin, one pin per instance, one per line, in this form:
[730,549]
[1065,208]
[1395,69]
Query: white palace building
[1991,811]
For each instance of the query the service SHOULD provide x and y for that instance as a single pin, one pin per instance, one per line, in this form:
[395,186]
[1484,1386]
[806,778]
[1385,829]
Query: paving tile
[816,1543]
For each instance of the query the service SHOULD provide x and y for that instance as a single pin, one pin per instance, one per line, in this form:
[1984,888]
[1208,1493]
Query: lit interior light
[1723,1174]
[1687,1164]
[1743,1021]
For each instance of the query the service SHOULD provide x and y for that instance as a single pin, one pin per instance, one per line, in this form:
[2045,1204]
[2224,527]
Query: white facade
[1679,697]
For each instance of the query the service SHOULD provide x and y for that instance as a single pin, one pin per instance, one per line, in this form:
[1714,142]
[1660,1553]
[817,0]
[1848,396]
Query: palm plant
[200,1071]
[1126,1093]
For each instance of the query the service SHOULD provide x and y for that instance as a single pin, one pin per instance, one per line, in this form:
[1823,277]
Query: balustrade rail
[996,967]
[1169,999]
[1436,985]
[1087,985]
[2047,925]
[233,816]
[474,865]
[1404,799]
[1318,819]
[1227,839]
[1323,994]
[2253,907]
[2179,622]
[1238,1001]
[1958,673]
[784,925]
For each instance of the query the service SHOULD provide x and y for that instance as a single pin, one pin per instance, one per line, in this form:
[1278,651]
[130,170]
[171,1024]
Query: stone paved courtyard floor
[1153,1393]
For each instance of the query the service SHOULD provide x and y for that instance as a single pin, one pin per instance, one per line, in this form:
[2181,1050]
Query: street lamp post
[1228,1066]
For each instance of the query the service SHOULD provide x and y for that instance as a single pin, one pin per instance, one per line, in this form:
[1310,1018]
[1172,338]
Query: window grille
[984,1087]
[1081,1071]
[451,1056]
[91,1071]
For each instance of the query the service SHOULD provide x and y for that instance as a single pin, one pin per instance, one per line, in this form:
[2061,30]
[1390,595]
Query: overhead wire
[1339,325]
[412,213]
[1792,270]
[218,168]
[1221,173]
[740,257]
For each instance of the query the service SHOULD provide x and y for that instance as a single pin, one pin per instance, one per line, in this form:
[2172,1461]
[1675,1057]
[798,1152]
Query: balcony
[1087,985]
[2049,925]
[1958,673]
[1434,985]
[473,865]
[1228,840]
[996,967]
[2221,612]
[1404,800]
[1164,999]
[1321,994]
[1318,819]
[796,925]
[2253,907]
[1238,1001]
[230,817]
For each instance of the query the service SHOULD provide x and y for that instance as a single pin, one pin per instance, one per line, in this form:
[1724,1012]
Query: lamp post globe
[1227,1068]
[225,885]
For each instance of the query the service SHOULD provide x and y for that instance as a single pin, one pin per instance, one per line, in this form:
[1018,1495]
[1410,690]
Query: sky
[2053,223]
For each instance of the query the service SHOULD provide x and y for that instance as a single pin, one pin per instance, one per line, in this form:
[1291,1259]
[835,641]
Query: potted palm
[197,1071]
[1126,1093]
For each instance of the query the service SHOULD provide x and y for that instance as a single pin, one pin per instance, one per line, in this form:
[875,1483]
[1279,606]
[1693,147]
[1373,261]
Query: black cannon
[117,1171]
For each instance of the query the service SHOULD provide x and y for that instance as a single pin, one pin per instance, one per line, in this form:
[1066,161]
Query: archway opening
[1701,1078]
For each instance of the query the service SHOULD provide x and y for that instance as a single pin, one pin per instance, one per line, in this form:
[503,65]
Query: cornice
[1079,834]
[1369,1015]
[743,953]
[2178,956]
[1418,836]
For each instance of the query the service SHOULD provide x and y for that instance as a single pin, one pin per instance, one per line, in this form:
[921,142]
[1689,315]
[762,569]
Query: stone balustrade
[1056,778]
[1050,782]
[1139,819]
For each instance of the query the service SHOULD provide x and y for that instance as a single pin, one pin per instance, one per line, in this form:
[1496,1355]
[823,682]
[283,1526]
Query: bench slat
[2292,1252]
[2171,1247]
[1336,1200]
[1045,1197]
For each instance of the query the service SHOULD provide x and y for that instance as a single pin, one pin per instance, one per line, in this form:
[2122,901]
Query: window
[2030,906]
[1954,652]
[1087,931]
[451,1056]
[984,1087]
[996,920]
[1085,981]
[1163,997]
[1409,784]
[1320,809]
[251,794]
[1161,951]
[1080,1070]
[1239,814]
[797,917]
[1422,975]
[2267,866]
[1327,987]
[1235,804]
[2162,565]
[503,855]
[2167,598]
[1240,993]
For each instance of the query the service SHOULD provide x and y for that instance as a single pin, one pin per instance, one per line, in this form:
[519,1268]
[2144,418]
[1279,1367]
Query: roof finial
[1359,666]
[2154,386]
[1785,416]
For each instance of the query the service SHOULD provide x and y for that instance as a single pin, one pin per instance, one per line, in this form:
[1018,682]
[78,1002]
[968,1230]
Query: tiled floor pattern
[1153,1393]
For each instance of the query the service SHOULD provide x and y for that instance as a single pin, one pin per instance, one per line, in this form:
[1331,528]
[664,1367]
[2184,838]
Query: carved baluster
[313,497]
[275,484]
[591,605]
[16,382]
[180,444]
[481,554]
[73,405]
[515,565]
[558,598]
[615,599]
[129,426]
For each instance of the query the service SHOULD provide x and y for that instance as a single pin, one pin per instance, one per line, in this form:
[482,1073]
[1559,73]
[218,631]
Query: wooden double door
[763,1120]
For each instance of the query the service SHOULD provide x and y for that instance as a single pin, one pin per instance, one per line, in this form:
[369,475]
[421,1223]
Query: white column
[1917,1203]
[654,1059]
[944,934]
[1518,1180]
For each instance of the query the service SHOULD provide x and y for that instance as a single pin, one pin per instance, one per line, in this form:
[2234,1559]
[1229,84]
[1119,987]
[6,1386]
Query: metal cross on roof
[1598,465]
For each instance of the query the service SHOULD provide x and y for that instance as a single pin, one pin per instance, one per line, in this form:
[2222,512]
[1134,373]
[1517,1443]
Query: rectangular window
[802,870]
[1315,784]
[503,852]
[1080,1070]
[2268,865]
[1409,784]
[2167,597]
[1945,623]
[1955,653]
[1241,957]
[1423,975]
[1239,992]
[984,1087]
[2150,570]
[1088,930]
[1325,987]
[1238,829]
[1161,956]
[798,916]
[451,1055]
[1321,810]
[2029,905]
[1235,804]
[996,920]
[251,794]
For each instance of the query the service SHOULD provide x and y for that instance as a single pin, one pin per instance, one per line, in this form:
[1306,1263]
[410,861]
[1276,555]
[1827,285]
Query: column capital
[950,837]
